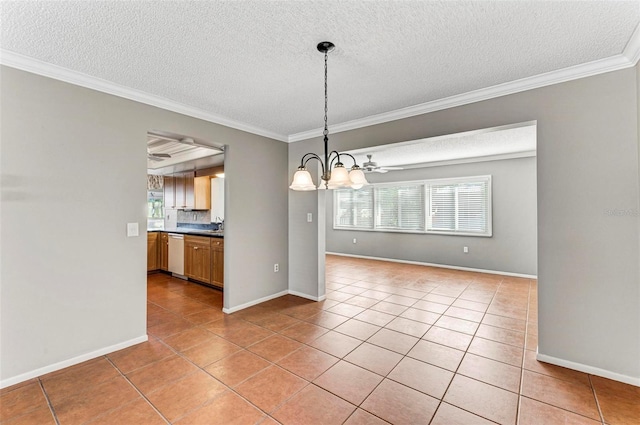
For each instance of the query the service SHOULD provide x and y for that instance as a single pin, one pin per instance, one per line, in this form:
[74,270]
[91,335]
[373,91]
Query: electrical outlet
[355,240]
[465,249]
[276,268]
[309,217]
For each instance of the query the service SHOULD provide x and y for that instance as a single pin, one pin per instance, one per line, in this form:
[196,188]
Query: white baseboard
[71,362]
[254,302]
[444,266]
[588,369]
[309,297]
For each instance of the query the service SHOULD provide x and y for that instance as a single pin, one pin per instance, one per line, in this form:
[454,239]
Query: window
[354,208]
[400,207]
[459,206]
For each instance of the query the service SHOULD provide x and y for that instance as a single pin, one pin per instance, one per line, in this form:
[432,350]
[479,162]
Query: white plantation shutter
[472,207]
[457,206]
[400,207]
[353,208]
[443,207]
[461,206]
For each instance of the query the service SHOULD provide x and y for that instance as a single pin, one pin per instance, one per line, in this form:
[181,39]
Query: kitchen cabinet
[217,261]
[163,249]
[197,258]
[184,191]
[202,193]
[152,251]
[169,192]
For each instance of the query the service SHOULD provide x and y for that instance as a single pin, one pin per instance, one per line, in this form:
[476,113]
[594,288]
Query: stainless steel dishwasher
[176,254]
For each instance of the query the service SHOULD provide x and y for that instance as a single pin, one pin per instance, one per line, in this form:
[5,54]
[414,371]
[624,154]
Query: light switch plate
[132,229]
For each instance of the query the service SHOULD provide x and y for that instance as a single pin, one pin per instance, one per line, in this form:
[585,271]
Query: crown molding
[632,49]
[25,63]
[627,59]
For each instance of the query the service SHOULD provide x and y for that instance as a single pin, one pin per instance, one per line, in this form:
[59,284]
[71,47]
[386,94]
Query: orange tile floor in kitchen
[394,343]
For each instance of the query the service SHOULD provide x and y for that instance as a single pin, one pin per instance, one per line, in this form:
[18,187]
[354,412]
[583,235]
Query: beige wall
[587,164]
[73,168]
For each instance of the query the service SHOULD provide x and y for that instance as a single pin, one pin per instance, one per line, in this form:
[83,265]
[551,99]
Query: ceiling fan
[372,167]
[157,156]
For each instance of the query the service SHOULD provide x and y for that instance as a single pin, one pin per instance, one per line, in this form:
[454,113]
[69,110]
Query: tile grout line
[46,395]
[137,390]
[524,353]
[595,396]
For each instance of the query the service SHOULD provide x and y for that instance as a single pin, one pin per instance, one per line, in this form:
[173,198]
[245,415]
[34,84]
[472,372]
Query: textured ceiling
[255,62]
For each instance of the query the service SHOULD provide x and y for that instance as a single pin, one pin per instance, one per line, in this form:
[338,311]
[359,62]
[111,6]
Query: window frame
[426,194]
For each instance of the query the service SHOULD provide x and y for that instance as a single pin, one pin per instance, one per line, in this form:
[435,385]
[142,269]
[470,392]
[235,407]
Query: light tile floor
[392,343]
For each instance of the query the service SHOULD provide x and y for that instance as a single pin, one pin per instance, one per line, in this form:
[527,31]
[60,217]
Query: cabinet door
[197,258]
[202,193]
[217,261]
[164,251]
[169,192]
[189,198]
[179,190]
[152,251]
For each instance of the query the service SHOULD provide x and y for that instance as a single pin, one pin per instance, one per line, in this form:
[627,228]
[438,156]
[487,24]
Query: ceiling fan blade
[380,170]
[161,155]
[156,158]
[391,168]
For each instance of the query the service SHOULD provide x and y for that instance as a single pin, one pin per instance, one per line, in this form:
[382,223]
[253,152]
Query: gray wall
[512,248]
[73,169]
[587,162]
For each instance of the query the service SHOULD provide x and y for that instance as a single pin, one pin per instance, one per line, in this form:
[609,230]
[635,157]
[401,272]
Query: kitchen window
[457,206]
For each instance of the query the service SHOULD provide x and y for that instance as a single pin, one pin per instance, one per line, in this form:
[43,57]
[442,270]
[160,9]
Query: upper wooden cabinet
[186,192]
[152,251]
[169,192]
[202,193]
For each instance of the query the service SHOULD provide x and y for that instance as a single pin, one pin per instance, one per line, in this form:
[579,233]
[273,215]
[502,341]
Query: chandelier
[334,174]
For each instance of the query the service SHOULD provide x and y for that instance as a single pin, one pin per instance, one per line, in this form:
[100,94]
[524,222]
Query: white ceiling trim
[627,59]
[25,63]
[632,49]
[486,158]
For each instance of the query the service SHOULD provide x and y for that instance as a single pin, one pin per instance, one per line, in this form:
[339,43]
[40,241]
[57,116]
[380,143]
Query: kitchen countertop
[187,231]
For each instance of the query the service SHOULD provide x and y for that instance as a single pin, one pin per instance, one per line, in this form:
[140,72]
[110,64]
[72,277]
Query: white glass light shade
[357,178]
[339,177]
[302,181]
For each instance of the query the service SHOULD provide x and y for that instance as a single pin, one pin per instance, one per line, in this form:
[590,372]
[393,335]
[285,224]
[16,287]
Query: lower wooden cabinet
[197,258]
[163,251]
[217,261]
[152,251]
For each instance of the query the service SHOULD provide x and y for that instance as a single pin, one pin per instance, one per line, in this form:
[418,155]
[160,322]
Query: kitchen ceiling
[253,64]
[181,153]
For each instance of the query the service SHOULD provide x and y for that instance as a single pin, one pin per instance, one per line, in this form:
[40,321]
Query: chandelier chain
[326,98]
